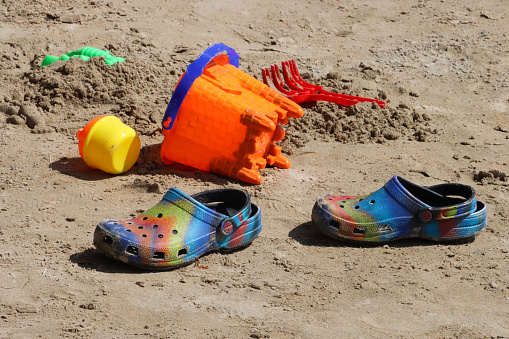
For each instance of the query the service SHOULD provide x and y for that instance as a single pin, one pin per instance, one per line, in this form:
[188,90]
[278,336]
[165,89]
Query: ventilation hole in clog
[334,223]
[143,235]
[342,206]
[158,255]
[140,227]
[107,239]
[160,215]
[129,223]
[343,201]
[115,223]
[128,230]
[357,207]
[372,202]
[361,199]
[182,252]
[145,218]
[155,226]
[131,250]
[160,236]
[174,231]
[328,198]
[359,230]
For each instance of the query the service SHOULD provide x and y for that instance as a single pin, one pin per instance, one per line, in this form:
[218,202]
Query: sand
[440,66]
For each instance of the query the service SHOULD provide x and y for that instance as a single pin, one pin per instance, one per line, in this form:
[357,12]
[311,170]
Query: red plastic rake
[297,89]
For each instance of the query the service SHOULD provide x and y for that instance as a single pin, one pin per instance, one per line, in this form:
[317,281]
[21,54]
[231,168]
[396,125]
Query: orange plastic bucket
[223,120]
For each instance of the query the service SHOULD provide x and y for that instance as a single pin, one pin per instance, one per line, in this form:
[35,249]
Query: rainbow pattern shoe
[401,209]
[181,228]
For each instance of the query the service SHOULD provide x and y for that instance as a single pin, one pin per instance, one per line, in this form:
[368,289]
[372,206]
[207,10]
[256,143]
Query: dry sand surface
[442,67]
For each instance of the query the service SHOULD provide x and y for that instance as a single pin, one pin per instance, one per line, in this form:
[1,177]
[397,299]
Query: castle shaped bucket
[223,120]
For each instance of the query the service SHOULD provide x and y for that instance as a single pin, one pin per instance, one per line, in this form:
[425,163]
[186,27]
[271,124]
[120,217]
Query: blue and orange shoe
[401,209]
[181,228]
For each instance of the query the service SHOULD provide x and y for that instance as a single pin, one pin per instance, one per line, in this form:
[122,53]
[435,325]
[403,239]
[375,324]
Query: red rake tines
[297,89]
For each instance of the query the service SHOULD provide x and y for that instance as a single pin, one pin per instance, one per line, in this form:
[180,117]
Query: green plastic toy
[84,53]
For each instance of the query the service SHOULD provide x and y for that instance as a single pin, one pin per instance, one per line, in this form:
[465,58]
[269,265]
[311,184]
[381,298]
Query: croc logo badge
[227,227]
[426,216]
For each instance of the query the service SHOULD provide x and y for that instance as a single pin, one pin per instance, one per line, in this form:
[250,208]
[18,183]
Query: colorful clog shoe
[181,228]
[401,209]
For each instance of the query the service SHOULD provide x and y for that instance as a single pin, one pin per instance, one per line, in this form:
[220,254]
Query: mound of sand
[362,123]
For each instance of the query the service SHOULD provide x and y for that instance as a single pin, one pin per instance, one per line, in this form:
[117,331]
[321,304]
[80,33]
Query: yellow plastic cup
[108,144]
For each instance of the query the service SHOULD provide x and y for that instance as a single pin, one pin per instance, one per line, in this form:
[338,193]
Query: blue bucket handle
[194,71]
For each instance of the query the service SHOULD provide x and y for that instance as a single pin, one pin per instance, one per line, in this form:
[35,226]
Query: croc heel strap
[443,197]
[202,203]
[243,235]
[181,228]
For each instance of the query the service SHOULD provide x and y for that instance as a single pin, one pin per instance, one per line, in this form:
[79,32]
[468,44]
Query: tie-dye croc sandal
[401,209]
[181,228]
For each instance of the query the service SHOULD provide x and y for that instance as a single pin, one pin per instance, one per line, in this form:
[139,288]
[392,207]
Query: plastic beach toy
[84,53]
[298,90]
[181,228]
[401,209]
[223,120]
[109,145]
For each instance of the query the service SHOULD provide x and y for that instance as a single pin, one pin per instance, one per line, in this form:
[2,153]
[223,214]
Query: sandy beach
[443,70]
